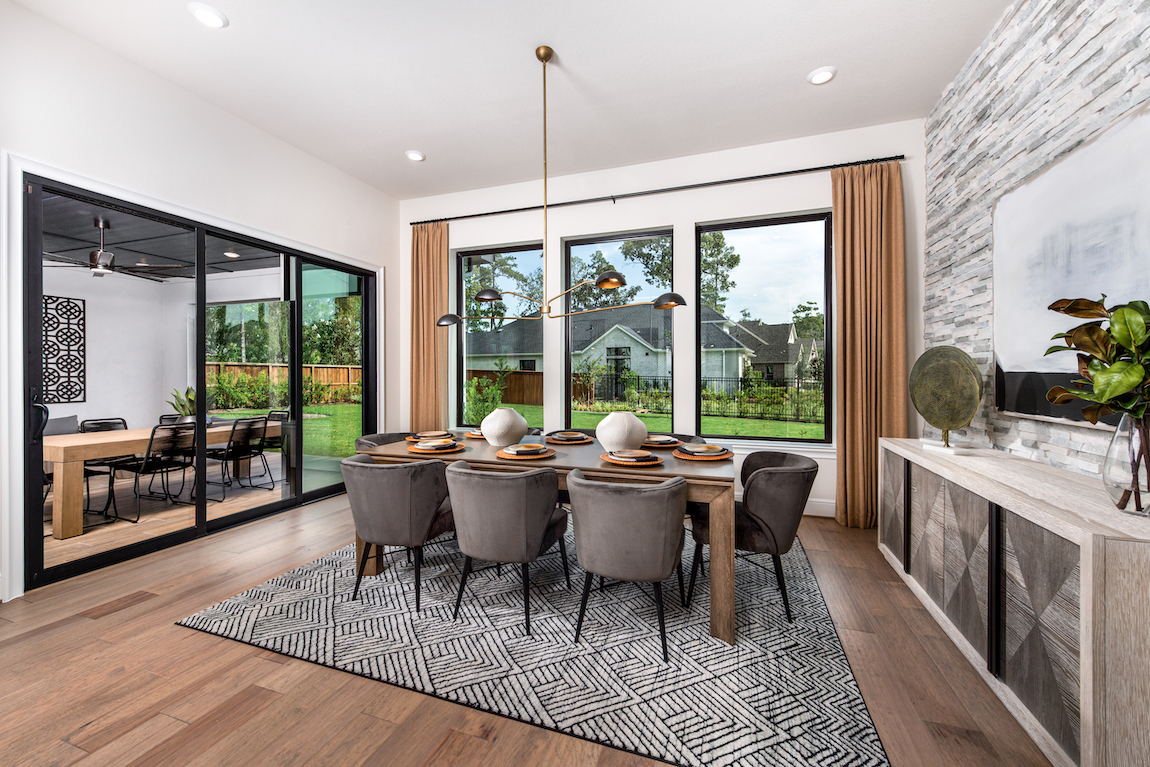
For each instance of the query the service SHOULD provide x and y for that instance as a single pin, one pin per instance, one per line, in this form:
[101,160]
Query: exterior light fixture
[231,254]
[208,16]
[608,280]
[822,75]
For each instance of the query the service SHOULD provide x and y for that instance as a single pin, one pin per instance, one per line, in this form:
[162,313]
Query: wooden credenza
[1039,581]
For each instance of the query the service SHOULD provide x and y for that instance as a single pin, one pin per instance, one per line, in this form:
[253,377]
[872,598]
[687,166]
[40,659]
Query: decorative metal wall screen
[65,356]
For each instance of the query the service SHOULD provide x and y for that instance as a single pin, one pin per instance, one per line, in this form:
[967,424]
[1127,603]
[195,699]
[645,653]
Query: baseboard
[819,507]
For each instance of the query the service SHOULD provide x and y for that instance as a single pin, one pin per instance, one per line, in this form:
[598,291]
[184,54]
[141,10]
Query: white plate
[702,449]
[661,438]
[436,444]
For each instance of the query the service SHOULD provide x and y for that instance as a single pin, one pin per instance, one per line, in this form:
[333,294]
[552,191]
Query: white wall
[680,211]
[73,111]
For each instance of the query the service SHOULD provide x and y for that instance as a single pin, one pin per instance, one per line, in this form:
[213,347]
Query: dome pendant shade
[669,301]
[609,280]
[447,320]
[487,294]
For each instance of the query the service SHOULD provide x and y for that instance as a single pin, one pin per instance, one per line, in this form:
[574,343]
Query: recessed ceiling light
[822,75]
[208,16]
[231,254]
[415,156]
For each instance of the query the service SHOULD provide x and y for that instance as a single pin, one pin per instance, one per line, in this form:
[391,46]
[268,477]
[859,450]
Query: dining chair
[167,451]
[507,518]
[403,504]
[245,443]
[629,532]
[169,418]
[67,424]
[98,467]
[368,441]
[776,487]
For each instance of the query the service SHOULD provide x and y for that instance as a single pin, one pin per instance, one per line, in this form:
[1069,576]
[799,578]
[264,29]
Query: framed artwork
[65,353]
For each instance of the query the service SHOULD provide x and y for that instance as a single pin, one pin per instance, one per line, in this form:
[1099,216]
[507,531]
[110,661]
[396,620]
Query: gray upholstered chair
[509,518]
[628,532]
[690,439]
[403,504]
[775,491]
[368,441]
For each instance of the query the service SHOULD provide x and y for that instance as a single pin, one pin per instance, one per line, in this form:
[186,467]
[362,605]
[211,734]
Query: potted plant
[1113,350]
[184,403]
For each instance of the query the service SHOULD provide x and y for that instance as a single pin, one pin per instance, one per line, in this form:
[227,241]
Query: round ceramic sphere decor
[946,387]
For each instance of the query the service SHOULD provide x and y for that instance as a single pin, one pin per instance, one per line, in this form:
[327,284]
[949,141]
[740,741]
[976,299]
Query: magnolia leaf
[1116,380]
[1058,395]
[1079,307]
[1054,349]
[1128,328]
[1093,412]
[1084,367]
[1142,308]
[1056,336]
[1093,340]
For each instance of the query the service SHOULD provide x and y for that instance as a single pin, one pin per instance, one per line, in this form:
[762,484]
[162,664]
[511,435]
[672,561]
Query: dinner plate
[436,444]
[432,434]
[632,455]
[568,435]
[661,438]
[525,449]
[702,449]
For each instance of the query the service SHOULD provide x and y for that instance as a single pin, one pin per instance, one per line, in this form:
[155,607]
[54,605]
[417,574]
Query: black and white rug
[785,695]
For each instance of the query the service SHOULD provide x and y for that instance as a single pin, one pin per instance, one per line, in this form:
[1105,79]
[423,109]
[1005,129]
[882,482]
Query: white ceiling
[357,82]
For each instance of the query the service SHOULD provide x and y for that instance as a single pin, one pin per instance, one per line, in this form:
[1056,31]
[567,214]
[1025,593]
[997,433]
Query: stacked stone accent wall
[1052,75]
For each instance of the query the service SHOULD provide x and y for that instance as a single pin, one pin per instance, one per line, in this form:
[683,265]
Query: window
[763,314]
[500,360]
[619,358]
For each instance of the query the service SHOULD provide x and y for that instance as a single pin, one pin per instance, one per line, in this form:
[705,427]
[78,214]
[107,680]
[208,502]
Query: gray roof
[769,343]
[517,337]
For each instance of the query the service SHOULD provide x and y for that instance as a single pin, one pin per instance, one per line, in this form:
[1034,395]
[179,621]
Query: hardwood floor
[95,672]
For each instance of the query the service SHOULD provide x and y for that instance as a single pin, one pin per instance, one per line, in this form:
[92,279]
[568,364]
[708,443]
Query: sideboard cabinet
[1040,582]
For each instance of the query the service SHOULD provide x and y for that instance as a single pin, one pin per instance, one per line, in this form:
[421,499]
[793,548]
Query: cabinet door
[893,509]
[927,515]
[966,548]
[1041,614]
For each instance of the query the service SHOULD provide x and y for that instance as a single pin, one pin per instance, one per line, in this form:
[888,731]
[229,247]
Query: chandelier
[608,280]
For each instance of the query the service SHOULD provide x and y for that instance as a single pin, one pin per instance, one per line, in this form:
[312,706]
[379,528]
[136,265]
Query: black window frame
[828,320]
[460,309]
[596,240]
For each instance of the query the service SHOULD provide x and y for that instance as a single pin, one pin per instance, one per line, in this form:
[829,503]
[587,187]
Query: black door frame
[35,574]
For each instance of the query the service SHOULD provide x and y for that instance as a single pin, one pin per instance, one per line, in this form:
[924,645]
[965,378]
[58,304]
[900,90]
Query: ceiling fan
[101,262]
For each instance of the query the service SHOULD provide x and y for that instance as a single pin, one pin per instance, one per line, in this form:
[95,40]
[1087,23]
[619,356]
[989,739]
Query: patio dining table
[710,482]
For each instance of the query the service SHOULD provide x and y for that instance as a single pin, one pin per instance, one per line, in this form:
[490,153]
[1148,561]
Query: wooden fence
[524,387]
[336,376]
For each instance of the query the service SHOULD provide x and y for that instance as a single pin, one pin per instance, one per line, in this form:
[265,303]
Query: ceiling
[357,82]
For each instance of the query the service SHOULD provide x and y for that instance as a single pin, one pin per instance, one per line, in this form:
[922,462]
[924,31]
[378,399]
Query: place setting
[437,445]
[569,438]
[423,436]
[702,452]
[631,458]
[661,441]
[525,451]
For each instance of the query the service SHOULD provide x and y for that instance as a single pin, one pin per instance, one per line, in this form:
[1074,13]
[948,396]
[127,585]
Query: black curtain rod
[685,187]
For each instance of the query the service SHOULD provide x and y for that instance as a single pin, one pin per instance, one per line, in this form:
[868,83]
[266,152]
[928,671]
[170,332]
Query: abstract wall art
[65,355]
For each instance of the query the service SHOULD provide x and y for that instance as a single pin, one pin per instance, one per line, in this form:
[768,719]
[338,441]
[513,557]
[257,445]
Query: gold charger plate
[414,449]
[656,460]
[726,455]
[548,453]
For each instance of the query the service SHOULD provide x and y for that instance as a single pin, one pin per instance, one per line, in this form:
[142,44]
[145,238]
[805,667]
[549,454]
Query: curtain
[429,298]
[870,272]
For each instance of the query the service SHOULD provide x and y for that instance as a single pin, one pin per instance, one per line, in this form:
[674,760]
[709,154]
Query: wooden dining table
[710,482]
[69,451]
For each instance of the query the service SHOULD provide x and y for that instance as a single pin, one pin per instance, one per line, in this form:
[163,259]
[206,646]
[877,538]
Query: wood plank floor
[93,671]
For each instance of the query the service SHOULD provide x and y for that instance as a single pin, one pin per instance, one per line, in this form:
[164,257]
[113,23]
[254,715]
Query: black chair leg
[587,579]
[462,580]
[499,569]
[662,625]
[566,568]
[526,599]
[696,563]
[418,564]
[362,565]
[682,591]
[782,585]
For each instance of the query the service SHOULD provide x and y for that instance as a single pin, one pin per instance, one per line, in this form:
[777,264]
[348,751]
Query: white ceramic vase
[503,426]
[621,430]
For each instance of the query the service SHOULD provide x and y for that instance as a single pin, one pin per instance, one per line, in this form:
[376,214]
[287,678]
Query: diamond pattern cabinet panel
[965,554]
[1041,655]
[893,503]
[927,525]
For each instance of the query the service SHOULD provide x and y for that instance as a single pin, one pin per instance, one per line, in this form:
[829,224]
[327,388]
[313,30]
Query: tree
[654,255]
[591,297]
[716,258]
[486,274]
[809,321]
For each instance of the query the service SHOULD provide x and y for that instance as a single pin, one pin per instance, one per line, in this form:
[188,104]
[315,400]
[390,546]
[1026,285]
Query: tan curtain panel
[870,271]
[429,298]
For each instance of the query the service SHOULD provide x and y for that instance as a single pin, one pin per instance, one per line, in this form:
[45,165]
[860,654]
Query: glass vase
[1126,470]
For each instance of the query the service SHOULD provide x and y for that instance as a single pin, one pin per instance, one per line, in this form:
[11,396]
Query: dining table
[67,453]
[711,482]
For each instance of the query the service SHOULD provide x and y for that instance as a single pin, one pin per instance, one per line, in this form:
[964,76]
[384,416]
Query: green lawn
[333,433]
[731,427]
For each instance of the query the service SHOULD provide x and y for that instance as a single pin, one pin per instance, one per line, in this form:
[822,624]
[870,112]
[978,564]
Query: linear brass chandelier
[608,280]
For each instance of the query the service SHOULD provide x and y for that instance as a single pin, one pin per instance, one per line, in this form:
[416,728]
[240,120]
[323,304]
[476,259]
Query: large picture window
[500,360]
[619,358]
[764,324]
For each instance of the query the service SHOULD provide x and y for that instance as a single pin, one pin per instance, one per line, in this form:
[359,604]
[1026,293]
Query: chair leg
[526,599]
[587,579]
[696,562]
[682,591]
[362,565]
[418,565]
[499,569]
[462,580]
[662,625]
[782,585]
[566,568]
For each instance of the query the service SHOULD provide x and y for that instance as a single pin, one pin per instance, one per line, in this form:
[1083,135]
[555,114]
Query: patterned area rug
[785,695]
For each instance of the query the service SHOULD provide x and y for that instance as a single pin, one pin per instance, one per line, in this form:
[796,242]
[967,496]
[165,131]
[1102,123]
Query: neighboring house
[634,338]
[778,352]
